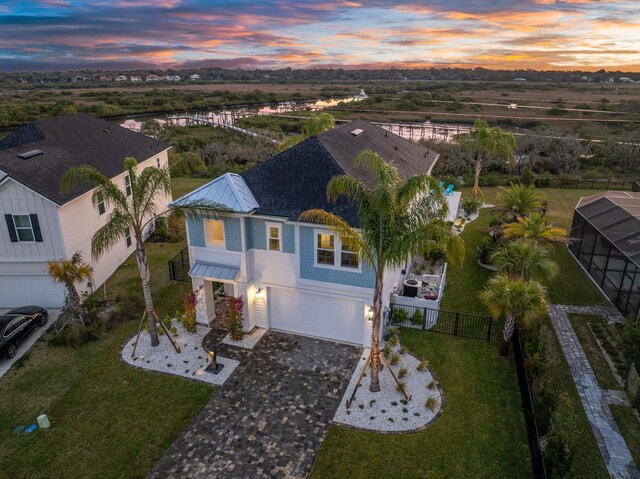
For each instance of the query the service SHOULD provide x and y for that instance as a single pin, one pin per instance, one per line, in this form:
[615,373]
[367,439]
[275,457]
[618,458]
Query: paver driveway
[270,417]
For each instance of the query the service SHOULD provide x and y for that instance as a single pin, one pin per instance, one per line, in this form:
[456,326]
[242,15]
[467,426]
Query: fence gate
[179,267]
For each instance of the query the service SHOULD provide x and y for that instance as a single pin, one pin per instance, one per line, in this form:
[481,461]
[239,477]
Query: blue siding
[257,235]
[289,239]
[365,279]
[232,234]
[195,226]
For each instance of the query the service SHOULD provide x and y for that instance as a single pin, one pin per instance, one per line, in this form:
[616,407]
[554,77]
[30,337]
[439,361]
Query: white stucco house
[293,276]
[38,223]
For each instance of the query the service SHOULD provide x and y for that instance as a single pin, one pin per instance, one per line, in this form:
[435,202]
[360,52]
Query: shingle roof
[296,179]
[66,142]
[616,214]
[228,190]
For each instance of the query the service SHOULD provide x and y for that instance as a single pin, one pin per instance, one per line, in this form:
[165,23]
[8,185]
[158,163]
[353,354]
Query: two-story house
[38,223]
[293,276]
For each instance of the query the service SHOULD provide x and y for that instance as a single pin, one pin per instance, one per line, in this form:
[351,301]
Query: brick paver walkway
[270,417]
[594,399]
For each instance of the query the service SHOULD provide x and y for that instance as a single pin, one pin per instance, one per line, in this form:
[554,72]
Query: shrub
[433,384]
[485,249]
[402,373]
[527,177]
[401,387]
[188,318]
[399,316]
[386,350]
[402,350]
[394,340]
[417,317]
[433,403]
[558,452]
[471,205]
[423,365]
[232,317]
[394,359]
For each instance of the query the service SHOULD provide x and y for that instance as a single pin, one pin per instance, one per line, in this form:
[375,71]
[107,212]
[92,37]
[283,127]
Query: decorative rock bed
[248,341]
[388,410]
[189,363]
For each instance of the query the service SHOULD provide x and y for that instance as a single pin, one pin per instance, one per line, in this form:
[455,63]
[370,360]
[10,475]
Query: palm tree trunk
[507,333]
[375,333]
[476,179]
[143,268]
[76,302]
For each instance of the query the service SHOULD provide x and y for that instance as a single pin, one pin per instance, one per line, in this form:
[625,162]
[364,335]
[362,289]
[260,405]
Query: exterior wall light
[370,314]
[259,292]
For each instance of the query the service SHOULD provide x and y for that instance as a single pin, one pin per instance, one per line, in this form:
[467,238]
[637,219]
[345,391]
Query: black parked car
[16,326]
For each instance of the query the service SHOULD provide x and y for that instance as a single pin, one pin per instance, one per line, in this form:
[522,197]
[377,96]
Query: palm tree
[516,300]
[517,201]
[488,143]
[315,124]
[396,220]
[525,259]
[535,228]
[131,214]
[70,272]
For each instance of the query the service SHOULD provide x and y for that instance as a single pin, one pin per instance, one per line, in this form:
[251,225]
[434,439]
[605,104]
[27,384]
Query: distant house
[519,79]
[606,243]
[105,78]
[173,78]
[77,78]
[41,224]
[121,78]
[625,80]
[295,276]
[136,78]
[152,77]
[195,76]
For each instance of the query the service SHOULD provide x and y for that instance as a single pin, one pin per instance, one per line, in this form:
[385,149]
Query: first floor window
[24,228]
[158,162]
[348,254]
[127,236]
[273,237]
[325,249]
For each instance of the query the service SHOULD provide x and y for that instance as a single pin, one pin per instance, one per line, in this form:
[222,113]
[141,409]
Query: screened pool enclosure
[606,241]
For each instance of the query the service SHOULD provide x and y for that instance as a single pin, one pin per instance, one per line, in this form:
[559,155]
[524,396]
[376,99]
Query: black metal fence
[446,322]
[537,457]
[179,267]
[578,183]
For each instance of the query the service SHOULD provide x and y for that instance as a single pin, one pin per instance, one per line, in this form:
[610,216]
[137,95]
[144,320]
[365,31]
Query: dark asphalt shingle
[69,141]
[296,180]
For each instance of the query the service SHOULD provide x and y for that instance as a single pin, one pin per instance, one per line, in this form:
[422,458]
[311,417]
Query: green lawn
[108,419]
[182,186]
[629,427]
[605,376]
[481,433]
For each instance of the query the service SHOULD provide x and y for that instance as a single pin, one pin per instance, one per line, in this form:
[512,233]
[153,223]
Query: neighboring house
[195,76]
[121,78]
[173,78]
[606,243]
[152,77]
[136,78]
[38,223]
[294,276]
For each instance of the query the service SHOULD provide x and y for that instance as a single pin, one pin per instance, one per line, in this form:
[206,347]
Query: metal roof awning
[214,271]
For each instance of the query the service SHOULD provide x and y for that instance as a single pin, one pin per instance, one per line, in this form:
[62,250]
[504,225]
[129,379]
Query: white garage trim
[309,314]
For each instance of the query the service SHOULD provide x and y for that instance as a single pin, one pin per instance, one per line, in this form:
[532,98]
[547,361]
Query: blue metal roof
[214,271]
[228,190]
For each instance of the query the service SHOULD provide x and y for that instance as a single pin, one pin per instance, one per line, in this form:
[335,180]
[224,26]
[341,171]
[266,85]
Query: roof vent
[357,132]
[30,154]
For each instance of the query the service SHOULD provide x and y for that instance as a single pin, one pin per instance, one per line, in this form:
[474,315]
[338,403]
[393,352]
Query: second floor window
[127,185]
[348,254]
[214,233]
[127,236]
[325,249]
[274,237]
[100,199]
[24,228]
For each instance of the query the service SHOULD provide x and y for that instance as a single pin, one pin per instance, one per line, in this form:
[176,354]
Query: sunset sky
[540,34]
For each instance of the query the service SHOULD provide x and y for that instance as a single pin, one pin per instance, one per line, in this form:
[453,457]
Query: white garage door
[22,290]
[315,315]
